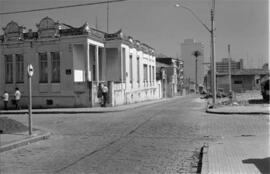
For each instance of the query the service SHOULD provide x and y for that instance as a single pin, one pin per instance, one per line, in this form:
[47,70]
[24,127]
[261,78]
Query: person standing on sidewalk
[5,99]
[99,94]
[17,97]
[104,94]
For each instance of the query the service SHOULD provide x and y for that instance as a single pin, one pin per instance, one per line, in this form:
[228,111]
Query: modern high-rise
[188,47]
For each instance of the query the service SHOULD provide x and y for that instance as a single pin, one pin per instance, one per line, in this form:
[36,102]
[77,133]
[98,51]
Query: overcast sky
[241,23]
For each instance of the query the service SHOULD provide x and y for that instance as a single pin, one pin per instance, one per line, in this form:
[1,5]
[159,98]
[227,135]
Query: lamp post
[211,30]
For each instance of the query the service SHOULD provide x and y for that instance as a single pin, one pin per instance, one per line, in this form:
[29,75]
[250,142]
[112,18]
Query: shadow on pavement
[258,101]
[262,164]
[10,126]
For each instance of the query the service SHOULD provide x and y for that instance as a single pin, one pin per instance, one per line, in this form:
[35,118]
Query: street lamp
[212,33]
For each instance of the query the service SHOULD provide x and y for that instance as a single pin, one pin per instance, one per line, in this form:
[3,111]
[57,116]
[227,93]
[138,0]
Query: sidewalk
[243,143]
[86,110]
[244,155]
[12,141]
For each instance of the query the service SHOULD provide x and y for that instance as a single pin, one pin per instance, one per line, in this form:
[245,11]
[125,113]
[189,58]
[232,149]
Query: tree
[196,54]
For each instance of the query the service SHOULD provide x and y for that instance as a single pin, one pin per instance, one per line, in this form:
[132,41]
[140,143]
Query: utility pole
[213,62]
[196,75]
[30,72]
[229,68]
[107,16]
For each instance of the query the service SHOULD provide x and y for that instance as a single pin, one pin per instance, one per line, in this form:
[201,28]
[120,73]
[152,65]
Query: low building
[170,72]
[132,66]
[242,80]
[69,63]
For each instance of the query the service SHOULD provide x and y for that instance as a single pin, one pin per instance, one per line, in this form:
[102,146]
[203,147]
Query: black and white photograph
[134,87]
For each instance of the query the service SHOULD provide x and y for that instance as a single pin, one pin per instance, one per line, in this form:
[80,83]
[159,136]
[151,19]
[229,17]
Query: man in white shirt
[17,97]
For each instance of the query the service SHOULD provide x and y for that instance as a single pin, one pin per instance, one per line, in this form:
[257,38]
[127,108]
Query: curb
[205,162]
[24,142]
[240,113]
[113,109]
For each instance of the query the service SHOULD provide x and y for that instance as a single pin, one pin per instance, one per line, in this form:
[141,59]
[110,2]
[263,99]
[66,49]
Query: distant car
[265,87]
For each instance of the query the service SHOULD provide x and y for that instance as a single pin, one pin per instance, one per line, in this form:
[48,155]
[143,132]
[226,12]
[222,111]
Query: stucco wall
[113,65]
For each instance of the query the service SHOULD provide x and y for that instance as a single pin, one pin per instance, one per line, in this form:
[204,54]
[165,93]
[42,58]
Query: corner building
[69,63]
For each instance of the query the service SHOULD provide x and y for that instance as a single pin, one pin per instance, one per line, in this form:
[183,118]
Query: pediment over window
[13,32]
[48,28]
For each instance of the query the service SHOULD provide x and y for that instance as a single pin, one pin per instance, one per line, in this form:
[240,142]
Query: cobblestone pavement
[161,138]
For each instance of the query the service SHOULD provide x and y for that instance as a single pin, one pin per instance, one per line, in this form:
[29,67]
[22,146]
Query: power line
[59,7]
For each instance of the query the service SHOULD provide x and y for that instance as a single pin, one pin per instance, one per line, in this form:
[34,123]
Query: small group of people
[102,94]
[17,97]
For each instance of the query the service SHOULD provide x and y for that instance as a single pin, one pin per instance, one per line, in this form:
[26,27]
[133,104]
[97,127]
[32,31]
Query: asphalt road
[160,138]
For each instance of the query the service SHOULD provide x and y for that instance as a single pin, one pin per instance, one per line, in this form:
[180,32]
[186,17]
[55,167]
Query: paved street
[160,138]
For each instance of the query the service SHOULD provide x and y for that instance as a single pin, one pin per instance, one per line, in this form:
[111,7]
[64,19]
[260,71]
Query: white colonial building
[69,63]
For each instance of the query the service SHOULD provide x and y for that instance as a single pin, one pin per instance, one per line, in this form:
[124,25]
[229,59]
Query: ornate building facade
[69,63]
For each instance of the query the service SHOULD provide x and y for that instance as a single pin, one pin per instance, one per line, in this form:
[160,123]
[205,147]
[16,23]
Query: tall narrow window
[43,68]
[138,69]
[150,76]
[8,69]
[130,68]
[55,57]
[145,72]
[19,68]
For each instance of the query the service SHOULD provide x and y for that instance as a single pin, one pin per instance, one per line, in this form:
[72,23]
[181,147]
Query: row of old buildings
[70,62]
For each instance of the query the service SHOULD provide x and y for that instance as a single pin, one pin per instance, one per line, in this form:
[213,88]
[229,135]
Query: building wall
[187,49]
[85,59]
[113,61]
[240,83]
[72,89]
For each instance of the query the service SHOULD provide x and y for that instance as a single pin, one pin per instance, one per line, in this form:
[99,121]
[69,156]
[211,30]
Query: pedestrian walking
[5,97]
[17,98]
[104,94]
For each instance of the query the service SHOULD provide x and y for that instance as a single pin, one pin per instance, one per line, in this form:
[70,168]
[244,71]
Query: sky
[241,23]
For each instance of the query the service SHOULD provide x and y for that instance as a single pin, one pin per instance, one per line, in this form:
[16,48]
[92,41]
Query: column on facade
[104,64]
[121,64]
[155,71]
[88,75]
[97,63]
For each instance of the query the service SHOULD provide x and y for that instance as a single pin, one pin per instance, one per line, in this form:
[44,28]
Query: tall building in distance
[188,47]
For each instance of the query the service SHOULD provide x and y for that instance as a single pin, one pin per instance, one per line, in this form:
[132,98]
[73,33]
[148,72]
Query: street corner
[14,134]
[13,141]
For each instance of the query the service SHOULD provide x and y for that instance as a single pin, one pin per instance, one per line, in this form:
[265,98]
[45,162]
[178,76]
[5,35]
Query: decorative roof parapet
[114,36]
[47,28]
[13,32]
